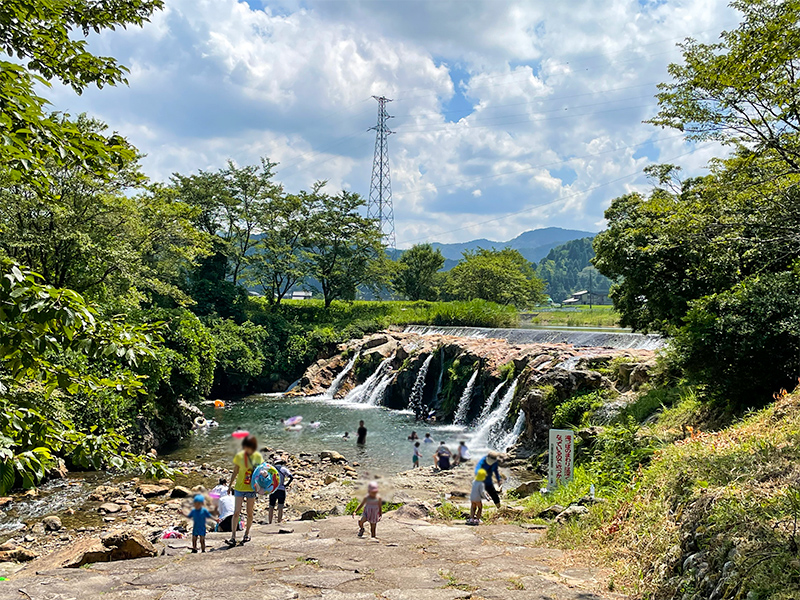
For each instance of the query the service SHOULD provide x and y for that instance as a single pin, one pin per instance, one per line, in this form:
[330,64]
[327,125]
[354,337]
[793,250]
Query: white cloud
[502,107]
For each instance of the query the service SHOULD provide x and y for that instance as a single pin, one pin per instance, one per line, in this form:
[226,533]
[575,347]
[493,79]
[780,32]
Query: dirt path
[412,560]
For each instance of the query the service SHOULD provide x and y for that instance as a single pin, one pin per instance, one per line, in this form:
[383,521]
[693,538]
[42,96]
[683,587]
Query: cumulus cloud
[501,108]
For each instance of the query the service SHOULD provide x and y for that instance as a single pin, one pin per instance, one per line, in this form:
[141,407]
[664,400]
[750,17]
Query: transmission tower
[380,189]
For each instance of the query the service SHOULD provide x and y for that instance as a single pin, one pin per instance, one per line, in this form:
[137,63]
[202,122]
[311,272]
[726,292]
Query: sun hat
[480,475]
[491,459]
[373,486]
[199,498]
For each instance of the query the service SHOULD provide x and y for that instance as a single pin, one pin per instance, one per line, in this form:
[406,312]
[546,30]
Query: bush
[241,355]
[572,412]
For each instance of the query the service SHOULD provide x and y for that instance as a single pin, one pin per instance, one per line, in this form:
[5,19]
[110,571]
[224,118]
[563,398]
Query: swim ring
[265,479]
[219,404]
[200,421]
[293,421]
[240,434]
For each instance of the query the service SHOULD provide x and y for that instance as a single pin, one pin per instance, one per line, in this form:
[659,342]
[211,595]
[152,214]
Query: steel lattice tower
[380,189]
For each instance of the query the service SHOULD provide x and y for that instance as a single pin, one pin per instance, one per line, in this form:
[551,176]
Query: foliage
[504,277]
[567,269]
[619,452]
[449,512]
[577,316]
[46,41]
[572,411]
[416,278]
[240,354]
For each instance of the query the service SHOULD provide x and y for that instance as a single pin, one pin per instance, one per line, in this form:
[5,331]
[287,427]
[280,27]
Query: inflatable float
[240,434]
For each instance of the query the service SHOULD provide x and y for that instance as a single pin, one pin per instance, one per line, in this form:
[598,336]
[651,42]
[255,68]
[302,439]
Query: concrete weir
[577,338]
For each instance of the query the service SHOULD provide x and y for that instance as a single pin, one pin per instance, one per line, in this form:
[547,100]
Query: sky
[508,116]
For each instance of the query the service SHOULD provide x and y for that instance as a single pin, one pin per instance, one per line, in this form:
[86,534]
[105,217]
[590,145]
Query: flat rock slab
[425,594]
[321,579]
[337,595]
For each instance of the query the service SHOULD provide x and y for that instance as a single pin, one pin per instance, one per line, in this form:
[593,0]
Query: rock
[309,515]
[51,523]
[573,511]
[329,479]
[166,482]
[18,555]
[102,492]
[117,545]
[151,491]
[527,488]
[8,545]
[551,512]
[59,471]
[332,455]
[180,491]
[199,489]
[414,510]
[374,341]
[413,594]
[641,374]
[590,500]
[285,530]
[109,507]
[5,501]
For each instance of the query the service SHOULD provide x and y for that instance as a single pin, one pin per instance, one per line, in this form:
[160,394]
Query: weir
[578,338]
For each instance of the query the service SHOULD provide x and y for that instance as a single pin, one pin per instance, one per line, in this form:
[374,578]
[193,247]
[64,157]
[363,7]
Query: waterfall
[376,396]
[441,374]
[466,397]
[334,387]
[492,427]
[511,438]
[415,399]
[362,393]
[487,407]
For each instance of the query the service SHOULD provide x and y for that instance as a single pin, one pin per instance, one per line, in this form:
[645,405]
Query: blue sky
[528,108]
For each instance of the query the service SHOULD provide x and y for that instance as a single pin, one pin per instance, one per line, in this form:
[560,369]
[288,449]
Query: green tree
[344,249]
[566,269]
[46,41]
[416,278]
[500,276]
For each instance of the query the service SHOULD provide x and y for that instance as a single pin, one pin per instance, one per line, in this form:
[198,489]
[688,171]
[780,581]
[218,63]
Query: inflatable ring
[200,421]
[240,435]
[219,404]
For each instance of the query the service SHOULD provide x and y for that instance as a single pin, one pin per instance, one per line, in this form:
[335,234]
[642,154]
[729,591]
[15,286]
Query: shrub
[573,411]
[241,355]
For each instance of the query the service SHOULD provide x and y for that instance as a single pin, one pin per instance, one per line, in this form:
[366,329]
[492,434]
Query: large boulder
[122,544]
[180,491]
[641,374]
[414,510]
[332,456]
[373,341]
[51,523]
[151,491]
[573,511]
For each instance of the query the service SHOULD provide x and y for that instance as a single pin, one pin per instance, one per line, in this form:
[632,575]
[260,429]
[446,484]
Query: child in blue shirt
[199,515]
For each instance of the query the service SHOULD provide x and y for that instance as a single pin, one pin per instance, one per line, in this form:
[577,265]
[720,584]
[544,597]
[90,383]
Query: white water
[511,438]
[488,433]
[376,396]
[441,374]
[466,400]
[361,394]
[331,391]
[415,399]
[487,407]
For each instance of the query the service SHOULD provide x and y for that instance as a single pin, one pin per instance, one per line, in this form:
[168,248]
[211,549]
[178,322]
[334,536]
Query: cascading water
[439,381]
[415,399]
[489,433]
[511,438]
[376,396]
[337,382]
[466,400]
[487,407]
[362,393]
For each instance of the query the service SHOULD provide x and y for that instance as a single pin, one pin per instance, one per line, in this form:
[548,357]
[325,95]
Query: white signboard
[562,442]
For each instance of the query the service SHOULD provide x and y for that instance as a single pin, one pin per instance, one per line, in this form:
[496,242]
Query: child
[417,455]
[199,515]
[373,506]
[244,463]
[476,498]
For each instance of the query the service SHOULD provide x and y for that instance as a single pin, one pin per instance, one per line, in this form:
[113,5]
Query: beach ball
[265,479]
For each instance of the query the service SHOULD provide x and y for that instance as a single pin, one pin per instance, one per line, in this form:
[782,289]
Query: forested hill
[567,269]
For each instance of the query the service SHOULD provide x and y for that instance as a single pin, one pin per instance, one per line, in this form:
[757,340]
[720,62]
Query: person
[372,505]
[346,435]
[226,508]
[462,454]
[413,437]
[219,490]
[441,458]
[199,515]
[279,495]
[361,434]
[476,498]
[428,439]
[243,465]
[417,455]
[491,465]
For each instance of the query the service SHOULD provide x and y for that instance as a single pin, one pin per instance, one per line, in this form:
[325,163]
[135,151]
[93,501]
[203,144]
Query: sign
[562,442]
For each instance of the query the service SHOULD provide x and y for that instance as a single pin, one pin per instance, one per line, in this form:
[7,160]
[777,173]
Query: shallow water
[386,452]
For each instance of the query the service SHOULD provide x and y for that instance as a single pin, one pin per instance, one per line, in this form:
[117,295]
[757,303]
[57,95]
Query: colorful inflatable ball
[265,479]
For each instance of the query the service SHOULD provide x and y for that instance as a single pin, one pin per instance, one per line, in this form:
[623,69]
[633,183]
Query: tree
[343,248]
[278,262]
[46,40]
[416,278]
[501,276]
[742,90]
[101,233]
[566,269]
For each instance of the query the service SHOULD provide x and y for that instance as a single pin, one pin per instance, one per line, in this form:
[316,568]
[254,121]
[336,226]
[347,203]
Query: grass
[352,505]
[451,581]
[579,316]
[449,512]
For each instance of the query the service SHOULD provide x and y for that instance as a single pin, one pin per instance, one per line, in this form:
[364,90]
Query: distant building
[586,297]
[301,295]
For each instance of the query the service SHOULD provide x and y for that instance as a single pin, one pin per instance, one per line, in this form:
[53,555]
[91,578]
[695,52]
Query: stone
[18,554]
[414,510]
[180,491]
[323,579]
[51,523]
[526,489]
[641,374]
[5,501]
[309,515]
[329,479]
[332,456]
[412,594]
[374,341]
[59,471]
[8,545]
[573,511]
[109,507]
[151,491]
[551,512]
[590,500]
[102,492]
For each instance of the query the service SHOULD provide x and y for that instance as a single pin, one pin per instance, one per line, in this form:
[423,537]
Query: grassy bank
[579,316]
[707,514]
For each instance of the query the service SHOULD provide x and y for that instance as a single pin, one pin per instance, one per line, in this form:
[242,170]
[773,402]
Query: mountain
[566,269]
[533,245]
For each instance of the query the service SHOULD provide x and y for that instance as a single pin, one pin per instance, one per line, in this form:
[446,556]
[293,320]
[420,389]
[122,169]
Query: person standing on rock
[240,485]
[442,456]
[373,509]
[361,434]
[279,495]
[490,463]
